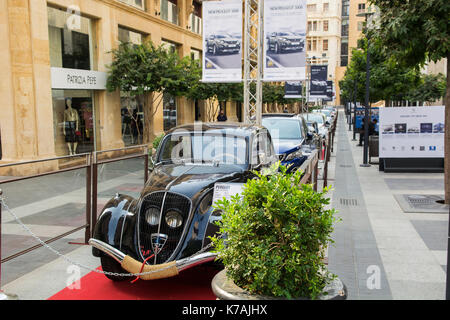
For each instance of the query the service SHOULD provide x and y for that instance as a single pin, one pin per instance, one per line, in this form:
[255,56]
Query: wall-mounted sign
[412,132]
[284,40]
[63,78]
[222,41]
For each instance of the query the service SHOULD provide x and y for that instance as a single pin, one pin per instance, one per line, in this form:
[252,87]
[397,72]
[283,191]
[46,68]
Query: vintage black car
[173,217]
[280,42]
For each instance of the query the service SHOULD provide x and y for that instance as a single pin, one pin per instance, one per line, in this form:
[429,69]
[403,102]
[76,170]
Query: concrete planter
[225,289]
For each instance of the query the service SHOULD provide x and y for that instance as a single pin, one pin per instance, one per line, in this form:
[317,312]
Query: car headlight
[152,216]
[206,203]
[293,155]
[174,219]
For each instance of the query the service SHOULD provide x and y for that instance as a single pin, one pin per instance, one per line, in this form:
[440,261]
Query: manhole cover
[421,203]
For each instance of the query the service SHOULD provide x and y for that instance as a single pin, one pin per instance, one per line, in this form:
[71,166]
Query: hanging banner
[412,132]
[330,92]
[284,40]
[292,90]
[222,41]
[318,81]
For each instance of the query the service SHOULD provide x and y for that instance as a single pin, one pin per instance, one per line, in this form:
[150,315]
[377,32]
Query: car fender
[116,224]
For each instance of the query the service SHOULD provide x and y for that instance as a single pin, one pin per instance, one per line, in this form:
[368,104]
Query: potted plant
[275,234]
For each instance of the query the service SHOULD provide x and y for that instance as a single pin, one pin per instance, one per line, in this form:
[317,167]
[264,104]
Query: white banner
[411,132]
[63,78]
[222,41]
[284,40]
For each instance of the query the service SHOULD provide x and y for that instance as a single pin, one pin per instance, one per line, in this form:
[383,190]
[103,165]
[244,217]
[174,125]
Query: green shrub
[275,236]
[157,141]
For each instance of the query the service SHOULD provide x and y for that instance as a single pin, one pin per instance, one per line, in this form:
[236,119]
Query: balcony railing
[135,3]
[196,23]
[169,11]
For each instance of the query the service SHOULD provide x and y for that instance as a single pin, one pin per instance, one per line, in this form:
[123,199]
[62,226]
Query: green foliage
[275,235]
[145,68]
[157,141]
[430,88]
[415,30]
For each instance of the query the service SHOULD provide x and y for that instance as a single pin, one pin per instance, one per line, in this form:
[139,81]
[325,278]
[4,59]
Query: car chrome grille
[168,201]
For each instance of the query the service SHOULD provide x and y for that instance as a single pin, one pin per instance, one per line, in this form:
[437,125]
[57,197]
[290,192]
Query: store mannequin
[70,129]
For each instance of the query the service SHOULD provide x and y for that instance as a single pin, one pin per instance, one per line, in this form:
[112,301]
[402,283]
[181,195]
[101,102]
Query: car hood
[291,38]
[190,180]
[283,146]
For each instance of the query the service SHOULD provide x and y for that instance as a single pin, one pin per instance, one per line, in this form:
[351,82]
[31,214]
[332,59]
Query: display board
[284,40]
[373,114]
[318,81]
[330,91]
[292,89]
[411,132]
[222,41]
[226,190]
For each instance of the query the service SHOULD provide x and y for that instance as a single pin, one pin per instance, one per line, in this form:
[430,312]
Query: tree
[417,31]
[139,70]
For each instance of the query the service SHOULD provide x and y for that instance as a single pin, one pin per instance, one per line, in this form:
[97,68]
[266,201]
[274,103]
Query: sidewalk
[380,251]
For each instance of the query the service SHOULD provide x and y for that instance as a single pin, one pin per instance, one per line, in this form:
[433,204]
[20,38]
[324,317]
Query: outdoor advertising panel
[222,41]
[318,81]
[284,40]
[292,89]
[330,92]
[412,132]
[360,113]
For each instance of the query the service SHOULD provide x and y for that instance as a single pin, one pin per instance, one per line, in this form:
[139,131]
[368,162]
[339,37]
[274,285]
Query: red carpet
[192,284]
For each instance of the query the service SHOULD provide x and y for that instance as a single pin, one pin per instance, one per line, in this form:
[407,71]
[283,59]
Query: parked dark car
[220,44]
[279,42]
[291,139]
[173,217]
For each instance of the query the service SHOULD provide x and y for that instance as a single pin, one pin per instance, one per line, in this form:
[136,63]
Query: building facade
[323,34]
[54,57]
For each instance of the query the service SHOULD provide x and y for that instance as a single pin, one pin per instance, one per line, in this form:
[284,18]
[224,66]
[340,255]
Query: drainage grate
[419,203]
[345,165]
[348,202]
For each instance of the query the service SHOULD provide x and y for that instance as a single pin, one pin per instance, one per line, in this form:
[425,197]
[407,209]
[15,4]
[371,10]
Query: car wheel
[111,265]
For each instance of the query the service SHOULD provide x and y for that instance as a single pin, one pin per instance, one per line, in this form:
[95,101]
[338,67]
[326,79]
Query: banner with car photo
[284,40]
[412,132]
[222,41]
[318,81]
[293,90]
[330,91]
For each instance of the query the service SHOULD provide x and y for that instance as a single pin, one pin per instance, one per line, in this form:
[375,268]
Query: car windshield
[220,36]
[326,112]
[317,117]
[204,148]
[283,128]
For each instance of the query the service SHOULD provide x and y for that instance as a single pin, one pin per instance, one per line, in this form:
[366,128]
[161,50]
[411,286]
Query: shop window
[70,40]
[132,115]
[74,121]
[169,111]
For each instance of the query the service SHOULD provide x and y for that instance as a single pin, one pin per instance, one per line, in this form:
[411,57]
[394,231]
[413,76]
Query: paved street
[380,251]
[408,250]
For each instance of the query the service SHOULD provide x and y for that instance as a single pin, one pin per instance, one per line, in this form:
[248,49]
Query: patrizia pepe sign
[63,78]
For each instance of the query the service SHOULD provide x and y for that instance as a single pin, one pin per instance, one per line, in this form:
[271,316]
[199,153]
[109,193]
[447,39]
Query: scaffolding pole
[253,56]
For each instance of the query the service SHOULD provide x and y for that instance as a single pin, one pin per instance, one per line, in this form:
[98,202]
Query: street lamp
[366,109]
